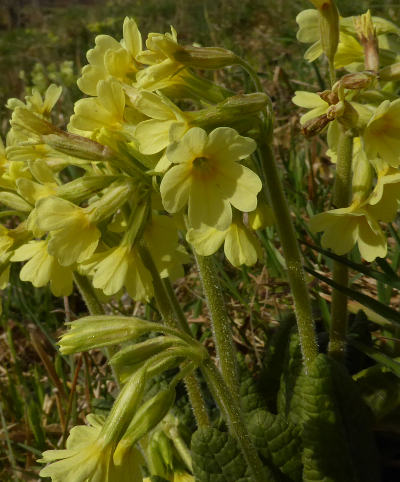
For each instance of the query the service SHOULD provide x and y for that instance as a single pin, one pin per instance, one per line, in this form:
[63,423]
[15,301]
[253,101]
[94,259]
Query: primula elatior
[208,177]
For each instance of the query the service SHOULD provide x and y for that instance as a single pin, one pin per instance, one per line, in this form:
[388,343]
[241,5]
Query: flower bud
[83,187]
[315,126]
[230,110]
[328,26]
[148,416]
[336,110]
[358,80]
[98,331]
[113,198]
[78,146]
[140,352]
[124,407]
[205,57]
[362,178]
[160,454]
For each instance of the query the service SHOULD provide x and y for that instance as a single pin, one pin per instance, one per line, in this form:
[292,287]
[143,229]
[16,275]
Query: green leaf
[380,390]
[217,458]
[292,367]
[378,356]
[368,301]
[278,441]
[337,437]
[251,398]
[388,277]
[273,362]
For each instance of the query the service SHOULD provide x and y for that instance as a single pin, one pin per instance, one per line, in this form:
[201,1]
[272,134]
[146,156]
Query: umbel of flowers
[363,104]
[135,177]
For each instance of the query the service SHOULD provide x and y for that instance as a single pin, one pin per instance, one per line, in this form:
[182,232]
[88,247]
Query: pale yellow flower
[208,177]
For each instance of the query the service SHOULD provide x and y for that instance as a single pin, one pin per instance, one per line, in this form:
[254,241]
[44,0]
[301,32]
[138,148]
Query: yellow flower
[73,237]
[167,123]
[345,227]
[168,255]
[36,103]
[382,134]
[105,110]
[119,267]
[384,199]
[241,245]
[208,177]
[43,268]
[112,59]
[88,456]
[310,100]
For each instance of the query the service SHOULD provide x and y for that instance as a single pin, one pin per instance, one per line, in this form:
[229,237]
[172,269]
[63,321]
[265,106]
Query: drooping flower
[112,59]
[43,268]
[382,134]
[345,227]
[241,246]
[208,177]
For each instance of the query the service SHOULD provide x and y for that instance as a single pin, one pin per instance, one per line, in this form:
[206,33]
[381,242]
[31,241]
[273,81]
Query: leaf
[389,277]
[217,458]
[273,362]
[278,441]
[292,367]
[365,300]
[378,356]
[251,398]
[380,390]
[337,437]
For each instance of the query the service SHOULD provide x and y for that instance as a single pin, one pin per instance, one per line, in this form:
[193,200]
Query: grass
[43,393]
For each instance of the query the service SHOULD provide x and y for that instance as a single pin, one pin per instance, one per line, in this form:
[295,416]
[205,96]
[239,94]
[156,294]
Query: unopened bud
[230,111]
[140,352]
[328,26]
[315,126]
[98,331]
[362,177]
[205,57]
[359,80]
[83,187]
[112,199]
[78,146]
[148,416]
[14,201]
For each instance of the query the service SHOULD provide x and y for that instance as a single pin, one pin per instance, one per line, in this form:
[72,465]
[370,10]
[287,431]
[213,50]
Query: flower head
[208,177]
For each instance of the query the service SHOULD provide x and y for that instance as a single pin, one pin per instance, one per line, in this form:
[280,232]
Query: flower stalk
[341,199]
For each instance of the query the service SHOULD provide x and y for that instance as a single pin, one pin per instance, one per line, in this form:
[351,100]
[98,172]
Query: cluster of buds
[364,105]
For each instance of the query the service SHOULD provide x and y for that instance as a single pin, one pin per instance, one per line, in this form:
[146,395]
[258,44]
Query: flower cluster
[364,105]
[134,170]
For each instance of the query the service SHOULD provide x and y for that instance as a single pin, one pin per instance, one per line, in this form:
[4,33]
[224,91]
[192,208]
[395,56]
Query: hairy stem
[341,199]
[274,193]
[221,326]
[291,251]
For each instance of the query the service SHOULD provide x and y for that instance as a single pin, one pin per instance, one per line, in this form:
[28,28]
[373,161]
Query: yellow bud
[367,34]
[328,26]
[358,80]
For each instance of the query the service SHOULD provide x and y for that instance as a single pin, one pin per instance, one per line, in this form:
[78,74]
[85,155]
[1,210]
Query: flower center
[200,163]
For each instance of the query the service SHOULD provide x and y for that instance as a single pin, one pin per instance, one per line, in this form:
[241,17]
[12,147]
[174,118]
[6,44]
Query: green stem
[168,309]
[302,304]
[220,323]
[341,199]
[274,192]
[231,408]
[95,308]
